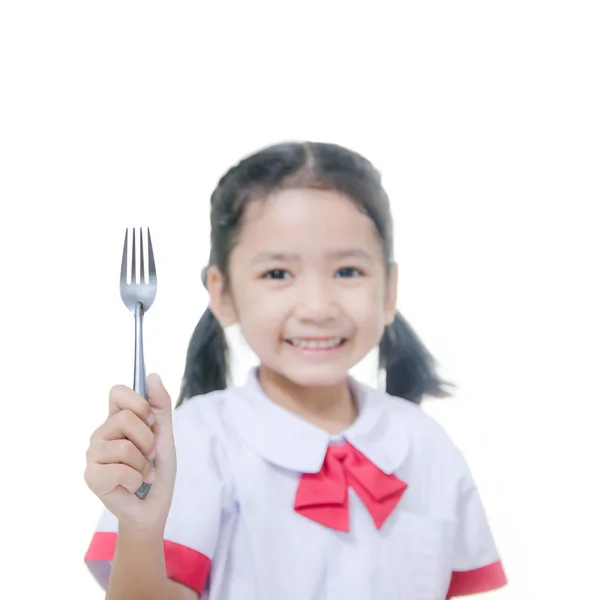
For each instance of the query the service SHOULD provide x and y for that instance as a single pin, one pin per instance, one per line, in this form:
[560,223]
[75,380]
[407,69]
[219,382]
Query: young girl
[302,483]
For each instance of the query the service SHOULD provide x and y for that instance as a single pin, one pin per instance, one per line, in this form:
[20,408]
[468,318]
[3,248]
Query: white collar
[288,441]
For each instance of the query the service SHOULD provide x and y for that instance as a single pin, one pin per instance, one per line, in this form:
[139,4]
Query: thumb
[160,401]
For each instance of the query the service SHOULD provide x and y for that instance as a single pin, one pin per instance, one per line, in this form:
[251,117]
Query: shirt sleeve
[201,499]
[477,567]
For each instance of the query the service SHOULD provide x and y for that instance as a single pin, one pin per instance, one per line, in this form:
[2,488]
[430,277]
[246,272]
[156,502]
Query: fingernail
[152,456]
[151,420]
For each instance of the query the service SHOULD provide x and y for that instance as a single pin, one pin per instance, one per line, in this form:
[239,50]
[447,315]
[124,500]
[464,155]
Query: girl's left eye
[277,274]
[348,272]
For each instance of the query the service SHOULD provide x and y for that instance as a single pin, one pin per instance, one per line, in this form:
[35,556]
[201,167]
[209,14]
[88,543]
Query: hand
[135,432]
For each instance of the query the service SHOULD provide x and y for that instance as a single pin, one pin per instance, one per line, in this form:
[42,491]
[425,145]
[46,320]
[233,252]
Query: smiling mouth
[316,344]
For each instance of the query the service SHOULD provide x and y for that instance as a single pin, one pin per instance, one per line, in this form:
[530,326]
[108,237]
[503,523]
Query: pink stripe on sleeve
[184,565]
[477,581]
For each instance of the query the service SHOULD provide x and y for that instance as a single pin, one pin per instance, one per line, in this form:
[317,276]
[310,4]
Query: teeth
[317,345]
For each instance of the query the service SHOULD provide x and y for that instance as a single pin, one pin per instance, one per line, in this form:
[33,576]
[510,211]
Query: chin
[316,376]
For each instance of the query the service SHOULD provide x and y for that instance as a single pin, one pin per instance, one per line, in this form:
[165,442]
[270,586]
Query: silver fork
[138,297]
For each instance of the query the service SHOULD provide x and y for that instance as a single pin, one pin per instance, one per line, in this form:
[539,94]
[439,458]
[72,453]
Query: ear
[220,301]
[391,295]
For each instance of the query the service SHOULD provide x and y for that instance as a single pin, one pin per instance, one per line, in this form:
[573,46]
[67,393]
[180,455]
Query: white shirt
[233,532]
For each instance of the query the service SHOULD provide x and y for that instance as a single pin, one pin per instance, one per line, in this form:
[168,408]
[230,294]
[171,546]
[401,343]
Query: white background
[482,116]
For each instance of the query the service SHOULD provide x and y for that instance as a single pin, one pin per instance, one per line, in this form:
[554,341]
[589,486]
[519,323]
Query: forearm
[138,569]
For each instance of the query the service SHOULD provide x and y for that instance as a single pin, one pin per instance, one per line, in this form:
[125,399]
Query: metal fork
[138,297]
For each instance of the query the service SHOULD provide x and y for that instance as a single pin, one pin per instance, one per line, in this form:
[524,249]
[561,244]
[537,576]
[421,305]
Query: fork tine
[124,259]
[151,265]
[133,258]
[142,270]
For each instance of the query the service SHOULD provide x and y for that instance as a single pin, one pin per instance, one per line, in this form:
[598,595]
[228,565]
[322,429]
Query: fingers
[120,452]
[116,462]
[121,448]
[158,397]
[124,398]
[124,425]
[160,402]
[103,479]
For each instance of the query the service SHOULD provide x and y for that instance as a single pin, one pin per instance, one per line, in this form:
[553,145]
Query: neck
[331,408]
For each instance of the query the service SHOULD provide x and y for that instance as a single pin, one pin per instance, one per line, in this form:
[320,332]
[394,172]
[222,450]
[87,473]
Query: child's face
[308,285]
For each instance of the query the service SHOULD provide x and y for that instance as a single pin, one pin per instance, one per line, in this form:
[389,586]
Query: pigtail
[206,361]
[410,368]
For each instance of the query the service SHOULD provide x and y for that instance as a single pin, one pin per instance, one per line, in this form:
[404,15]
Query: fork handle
[139,368]
[139,374]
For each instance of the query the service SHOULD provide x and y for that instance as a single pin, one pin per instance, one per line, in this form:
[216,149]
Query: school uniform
[267,506]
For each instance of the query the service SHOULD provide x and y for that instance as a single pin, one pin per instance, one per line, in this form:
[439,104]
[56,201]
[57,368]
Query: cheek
[366,304]
[258,311]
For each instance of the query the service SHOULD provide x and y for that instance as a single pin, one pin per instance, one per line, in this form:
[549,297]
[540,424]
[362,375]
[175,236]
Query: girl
[302,483]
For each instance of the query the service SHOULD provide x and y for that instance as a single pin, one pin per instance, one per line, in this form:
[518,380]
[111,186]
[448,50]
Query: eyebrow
[274,256]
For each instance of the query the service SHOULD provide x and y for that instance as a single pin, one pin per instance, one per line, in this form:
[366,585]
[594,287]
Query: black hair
[410,368]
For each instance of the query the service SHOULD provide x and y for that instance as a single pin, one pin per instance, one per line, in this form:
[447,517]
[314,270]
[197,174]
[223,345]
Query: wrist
[145,535]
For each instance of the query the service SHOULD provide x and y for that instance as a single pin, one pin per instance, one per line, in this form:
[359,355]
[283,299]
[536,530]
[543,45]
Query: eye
[348,272]
[277,274]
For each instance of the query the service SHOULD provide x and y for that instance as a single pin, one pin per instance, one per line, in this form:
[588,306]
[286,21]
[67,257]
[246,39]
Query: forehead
[294,219]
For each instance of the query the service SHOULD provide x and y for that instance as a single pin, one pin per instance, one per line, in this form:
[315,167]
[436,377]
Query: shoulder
[203,410]
[201,441]
[429,442]
[198,422]
[422,425]
[400,411]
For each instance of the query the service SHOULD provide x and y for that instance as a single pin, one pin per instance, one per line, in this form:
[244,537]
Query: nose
[316,303]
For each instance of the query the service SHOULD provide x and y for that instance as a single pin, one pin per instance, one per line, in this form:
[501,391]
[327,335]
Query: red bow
[323,496]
